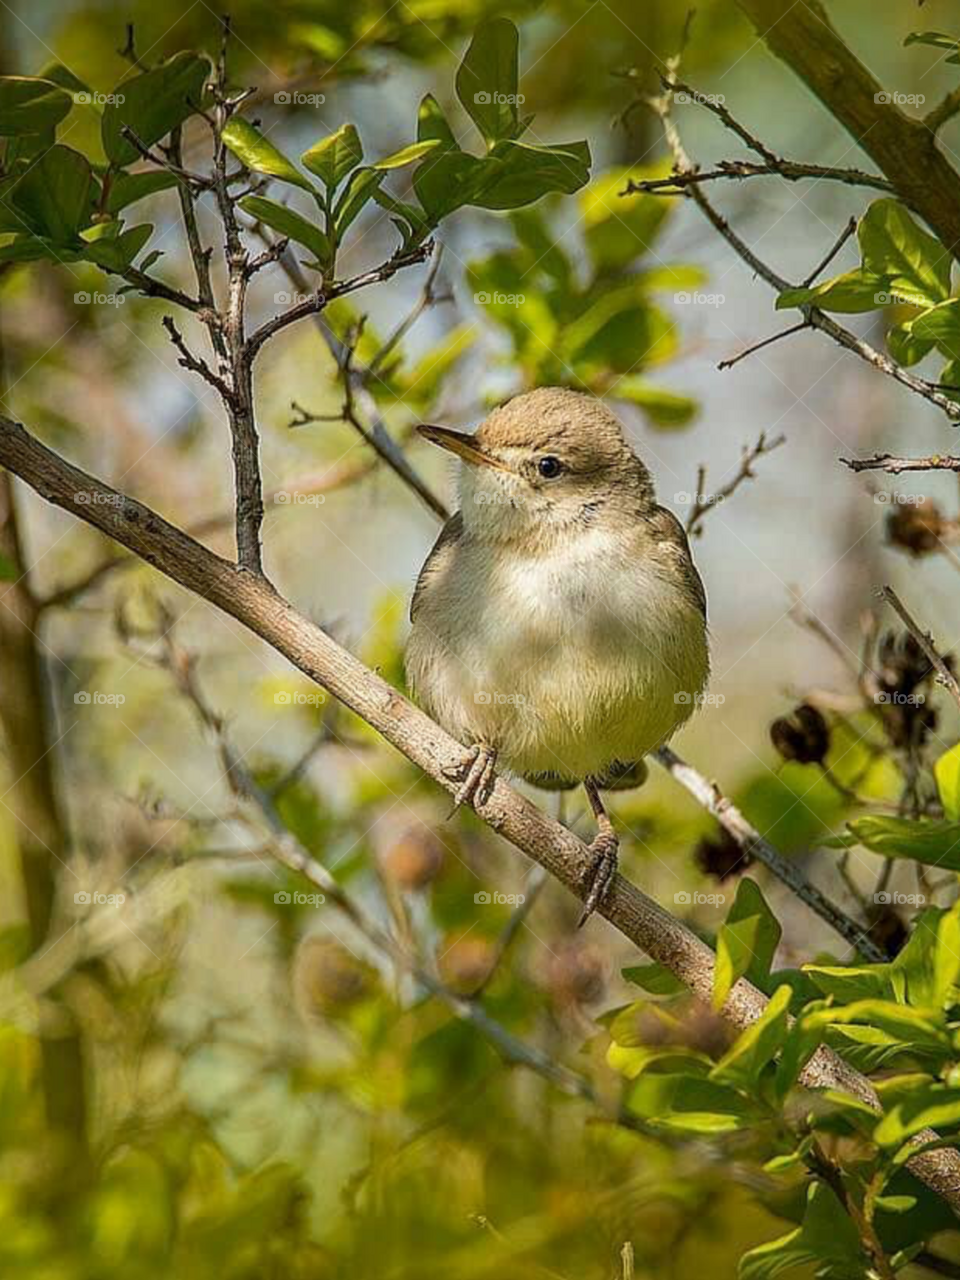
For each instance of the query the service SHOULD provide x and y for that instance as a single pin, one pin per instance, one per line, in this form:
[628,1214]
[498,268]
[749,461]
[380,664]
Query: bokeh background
[259,1092]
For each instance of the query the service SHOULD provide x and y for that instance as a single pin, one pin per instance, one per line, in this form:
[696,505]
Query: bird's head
[545,461]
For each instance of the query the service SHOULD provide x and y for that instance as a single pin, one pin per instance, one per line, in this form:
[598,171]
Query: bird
[559,624]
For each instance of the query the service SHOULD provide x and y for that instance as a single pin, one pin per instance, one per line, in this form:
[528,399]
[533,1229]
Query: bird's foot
[477,771]
[604,849]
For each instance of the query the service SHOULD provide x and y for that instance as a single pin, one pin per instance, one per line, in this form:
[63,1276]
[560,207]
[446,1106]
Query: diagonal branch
[254,602]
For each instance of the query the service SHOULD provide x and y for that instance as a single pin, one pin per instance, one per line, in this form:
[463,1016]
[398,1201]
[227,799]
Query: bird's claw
[599,875]
[477,770]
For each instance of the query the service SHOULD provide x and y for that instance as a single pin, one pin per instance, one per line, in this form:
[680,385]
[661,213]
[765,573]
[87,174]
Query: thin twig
[764,342]
[849,230]
[890,462]
[702,504]
[925,640]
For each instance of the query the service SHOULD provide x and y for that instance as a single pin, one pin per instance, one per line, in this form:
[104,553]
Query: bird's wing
[450,535]
[673,548]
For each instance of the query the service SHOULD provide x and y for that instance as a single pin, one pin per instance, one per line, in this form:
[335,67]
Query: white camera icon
[482,96]
[82,696]
[282,96]
[481,696]
[282,697]
[682,696]
[482,298]
[883,896]
[282,297]
[282,497]
[282,896]
[682,897]
[83,99]
[81,897]
[81,297]
[482,896]
[683,498]
[883,96]
[682,296]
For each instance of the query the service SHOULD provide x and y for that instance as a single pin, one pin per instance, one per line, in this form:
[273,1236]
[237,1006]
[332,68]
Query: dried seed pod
[916,527]
[414,859]
[327,979]
[720,856]
[803,736]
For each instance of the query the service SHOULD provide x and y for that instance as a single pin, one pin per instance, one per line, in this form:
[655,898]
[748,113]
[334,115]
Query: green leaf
[487,79]
[935,38]
[334,156]
[30,105]
[915,263]
[653,978]
[56,194]
[407,155]
[361,187]
[30,248]
[746,1058]
[905,347]
[849,293]
[154,103]
[827,1239]
[746,942]
[929,1106]
[446,180]
[663,408]
[846,983]
[253,149]
[919,1030]
[116,253]
[126,188]
[940,325]
[935,844]
[631,1061]
[432,124]
[946,963]
[288,223]
[691,1104]
[523,173]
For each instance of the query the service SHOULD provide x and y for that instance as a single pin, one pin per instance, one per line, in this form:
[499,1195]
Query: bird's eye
[549,467]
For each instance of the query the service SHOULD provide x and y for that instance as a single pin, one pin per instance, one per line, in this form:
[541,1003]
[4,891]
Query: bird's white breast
[566,660]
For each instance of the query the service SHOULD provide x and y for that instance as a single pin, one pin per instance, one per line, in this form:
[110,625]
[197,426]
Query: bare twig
[925,640]
[849,230]
[702,503]
[893,464]
[738,170]
[764,342]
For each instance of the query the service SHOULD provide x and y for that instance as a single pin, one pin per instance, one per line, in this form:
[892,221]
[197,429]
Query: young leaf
[932,1105]
[849,293]
[487,79]
[446,180]
[904,345]
[743,1062]
[653,978]
[933,843]
[432,124]
[826,1238]
[524,173]
[154,103]
[30,105]
[691,1104]
[253,149]
[915,263]
[617,231]
[407,155]
[746,942]
[288,223]
[334,156]
[940,325]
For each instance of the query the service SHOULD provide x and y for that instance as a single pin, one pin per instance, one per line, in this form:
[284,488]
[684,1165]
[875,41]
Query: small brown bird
[559,623]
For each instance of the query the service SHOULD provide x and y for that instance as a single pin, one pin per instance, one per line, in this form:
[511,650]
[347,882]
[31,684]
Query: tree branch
[252,601]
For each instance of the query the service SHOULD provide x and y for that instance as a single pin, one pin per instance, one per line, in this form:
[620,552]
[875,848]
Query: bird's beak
[462,445]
